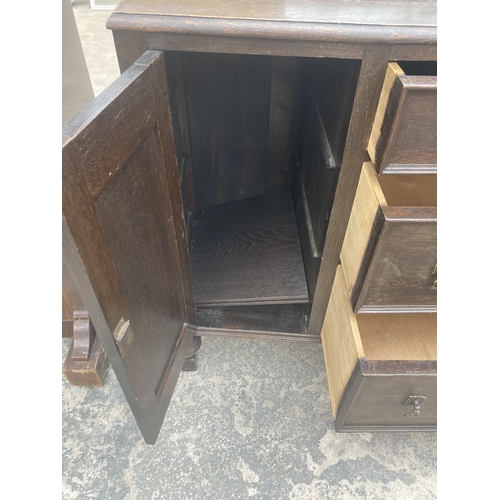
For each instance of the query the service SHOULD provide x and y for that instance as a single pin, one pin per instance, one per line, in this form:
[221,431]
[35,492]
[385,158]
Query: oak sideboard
[263,170]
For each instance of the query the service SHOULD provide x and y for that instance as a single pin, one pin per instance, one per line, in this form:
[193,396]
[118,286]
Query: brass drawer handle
[416,401]
[434,274]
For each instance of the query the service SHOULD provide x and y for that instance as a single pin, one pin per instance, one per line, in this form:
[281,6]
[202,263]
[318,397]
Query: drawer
[404,137]
[380,367]
[389,251]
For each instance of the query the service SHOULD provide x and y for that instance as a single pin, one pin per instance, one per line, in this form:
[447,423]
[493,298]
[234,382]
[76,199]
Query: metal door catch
[123,336]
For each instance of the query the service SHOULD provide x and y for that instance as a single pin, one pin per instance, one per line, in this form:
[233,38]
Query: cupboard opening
[259,142]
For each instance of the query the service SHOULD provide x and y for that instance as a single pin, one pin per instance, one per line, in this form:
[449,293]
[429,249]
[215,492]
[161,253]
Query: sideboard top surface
[364,12]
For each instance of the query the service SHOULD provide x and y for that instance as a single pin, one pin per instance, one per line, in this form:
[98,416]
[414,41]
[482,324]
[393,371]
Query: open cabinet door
[124,238]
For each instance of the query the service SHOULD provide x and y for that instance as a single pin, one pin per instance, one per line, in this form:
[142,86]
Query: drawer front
[377,365]
[385,401]
[404,135]
[389,253]
[398,271]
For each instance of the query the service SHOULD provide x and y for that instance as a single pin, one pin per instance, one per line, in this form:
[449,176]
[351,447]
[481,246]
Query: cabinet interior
[259,141]
[412,190]
[398,336]
[419,68]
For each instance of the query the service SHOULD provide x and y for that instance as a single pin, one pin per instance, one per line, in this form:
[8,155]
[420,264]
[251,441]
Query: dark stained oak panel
[333,85]
[286,318]
[228,99]
[136,236]
[323,12]
[124,239]
[380,402]
[109,150]
[282,105]
[416,141]
[248,252]
[327,99]
[399,274]
[404,136]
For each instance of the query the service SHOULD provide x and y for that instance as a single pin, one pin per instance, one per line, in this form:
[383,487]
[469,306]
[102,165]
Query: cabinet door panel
[124,235]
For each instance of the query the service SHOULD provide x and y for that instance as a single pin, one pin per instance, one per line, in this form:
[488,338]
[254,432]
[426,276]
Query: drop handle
[416,401]
[434,274]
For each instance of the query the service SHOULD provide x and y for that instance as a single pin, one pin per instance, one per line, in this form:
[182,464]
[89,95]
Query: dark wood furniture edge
[387,309]
[191,361]
[67,328]
[326,32]
[357,295]
[89,296]
[363,280]
[397,367]
[86,363]
[371,79]
[398,169]
[387,428]
[90,372]
[351,391]
[367,368]
[253,334]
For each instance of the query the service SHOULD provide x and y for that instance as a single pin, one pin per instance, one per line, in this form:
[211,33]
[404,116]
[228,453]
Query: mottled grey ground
[253,422]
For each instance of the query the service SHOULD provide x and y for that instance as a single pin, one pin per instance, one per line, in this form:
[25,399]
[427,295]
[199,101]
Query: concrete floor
[253,422]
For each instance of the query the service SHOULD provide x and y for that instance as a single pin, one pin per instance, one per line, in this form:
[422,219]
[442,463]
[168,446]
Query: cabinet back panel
[228,98]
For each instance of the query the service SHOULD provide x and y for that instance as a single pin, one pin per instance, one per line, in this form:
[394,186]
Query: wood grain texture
[392,73]
[169,177]
[367,217]
[110,151]
[122,244]
[370,82]
[380,402]
[342,345]
[369,22]
[72,304]
[322,11]
[404,136]
[129,220]
[89,372]
[389,252]
[333,85]
[406,374]
[398,336]
[248,252]
[406,52]
[287,318]
[228,109]
[328,94]
[375,361]
[359,229]
[180,127]
[257,335]
[281,114]
[319,173]
[409,190]
[399,277]
[131,44]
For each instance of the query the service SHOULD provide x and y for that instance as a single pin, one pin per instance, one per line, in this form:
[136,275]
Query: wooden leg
[191,362]
[86,363]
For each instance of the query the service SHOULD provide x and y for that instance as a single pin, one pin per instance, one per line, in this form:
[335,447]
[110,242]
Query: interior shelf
[248,253]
